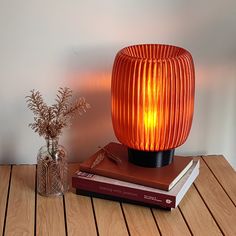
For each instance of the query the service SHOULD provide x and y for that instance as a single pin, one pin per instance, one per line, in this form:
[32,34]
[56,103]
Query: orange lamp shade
[152,96]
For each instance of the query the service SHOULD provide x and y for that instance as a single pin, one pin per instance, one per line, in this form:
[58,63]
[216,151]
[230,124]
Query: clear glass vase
[52,169]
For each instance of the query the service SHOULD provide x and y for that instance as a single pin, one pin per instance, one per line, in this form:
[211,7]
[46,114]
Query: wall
[48,44]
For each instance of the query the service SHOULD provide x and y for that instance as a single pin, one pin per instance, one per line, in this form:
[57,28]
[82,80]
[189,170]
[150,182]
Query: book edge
[188,184]
[162,186]
[181,174]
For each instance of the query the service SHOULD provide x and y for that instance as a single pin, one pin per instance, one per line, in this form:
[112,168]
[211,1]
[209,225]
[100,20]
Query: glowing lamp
[152,94]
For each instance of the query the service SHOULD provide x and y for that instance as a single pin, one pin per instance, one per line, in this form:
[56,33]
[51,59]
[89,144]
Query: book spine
[158,199]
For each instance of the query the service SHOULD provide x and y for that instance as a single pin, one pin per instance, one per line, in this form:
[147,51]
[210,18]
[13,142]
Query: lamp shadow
[89,75]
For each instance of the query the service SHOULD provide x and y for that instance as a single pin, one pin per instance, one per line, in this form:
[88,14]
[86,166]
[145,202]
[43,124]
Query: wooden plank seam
[213,217]
[65,218]
[6,209]
[94,215]
[218,181]
[126,223]
[186,222]
[155,220]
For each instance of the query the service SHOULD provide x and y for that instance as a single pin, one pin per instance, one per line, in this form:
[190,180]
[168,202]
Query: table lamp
[152,94]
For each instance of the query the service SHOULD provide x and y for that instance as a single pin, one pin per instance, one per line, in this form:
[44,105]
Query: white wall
[51,43]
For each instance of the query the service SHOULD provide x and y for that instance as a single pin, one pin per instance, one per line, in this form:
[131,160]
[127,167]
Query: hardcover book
[100,186]
[119,199]
[163,178]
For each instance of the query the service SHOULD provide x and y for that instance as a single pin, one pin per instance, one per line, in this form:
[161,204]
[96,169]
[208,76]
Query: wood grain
[140,220]
[224,172]
[4,183]
[197,215]
[206,208]
[79,211]
[109,217]
[50,216]
[171,222]
[217,200]
[21,203]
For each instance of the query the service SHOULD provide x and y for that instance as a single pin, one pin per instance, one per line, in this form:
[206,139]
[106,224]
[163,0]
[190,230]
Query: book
[163,178]
[113,188]
[118,199]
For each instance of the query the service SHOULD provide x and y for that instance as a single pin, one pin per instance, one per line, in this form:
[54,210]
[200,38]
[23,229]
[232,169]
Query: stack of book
[108,174]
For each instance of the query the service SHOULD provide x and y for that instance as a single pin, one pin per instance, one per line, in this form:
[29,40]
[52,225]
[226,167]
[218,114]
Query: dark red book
[104,187]
[163,178]
[119,199]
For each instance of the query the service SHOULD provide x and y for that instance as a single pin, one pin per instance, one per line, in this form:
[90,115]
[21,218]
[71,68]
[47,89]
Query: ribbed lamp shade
[152,96]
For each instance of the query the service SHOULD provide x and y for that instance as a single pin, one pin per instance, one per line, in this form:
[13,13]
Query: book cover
[124,190]
[163,178]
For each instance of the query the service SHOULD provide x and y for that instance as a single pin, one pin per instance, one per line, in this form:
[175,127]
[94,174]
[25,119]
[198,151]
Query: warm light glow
[90,82]
[150,114]
[152,96]
[150,119]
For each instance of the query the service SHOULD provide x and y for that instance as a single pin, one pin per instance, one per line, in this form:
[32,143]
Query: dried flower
[50,120]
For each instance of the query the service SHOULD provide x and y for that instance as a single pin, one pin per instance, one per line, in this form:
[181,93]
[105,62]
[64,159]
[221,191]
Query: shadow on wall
[8,152]
[89,75]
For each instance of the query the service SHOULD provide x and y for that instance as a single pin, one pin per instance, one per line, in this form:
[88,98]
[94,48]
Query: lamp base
[149,158]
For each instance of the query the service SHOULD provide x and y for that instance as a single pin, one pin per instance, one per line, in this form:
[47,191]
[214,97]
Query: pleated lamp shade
[152,96]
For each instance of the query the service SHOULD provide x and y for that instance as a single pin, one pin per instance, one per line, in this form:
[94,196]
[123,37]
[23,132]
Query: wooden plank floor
[209,207]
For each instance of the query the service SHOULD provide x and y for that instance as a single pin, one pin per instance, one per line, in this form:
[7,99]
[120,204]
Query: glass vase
[52,169]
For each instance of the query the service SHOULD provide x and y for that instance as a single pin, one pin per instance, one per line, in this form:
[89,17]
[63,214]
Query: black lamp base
[150,159]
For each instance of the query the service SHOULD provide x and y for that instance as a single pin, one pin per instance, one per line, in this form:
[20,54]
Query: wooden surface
[21,201]
[207,209]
